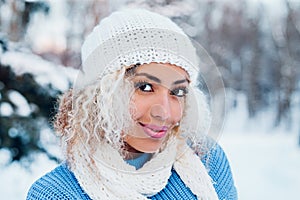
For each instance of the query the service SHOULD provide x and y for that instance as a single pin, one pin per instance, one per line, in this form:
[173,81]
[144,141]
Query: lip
[154,131]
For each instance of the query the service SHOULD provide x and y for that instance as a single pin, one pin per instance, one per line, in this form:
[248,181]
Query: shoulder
[219,170]
[60,183]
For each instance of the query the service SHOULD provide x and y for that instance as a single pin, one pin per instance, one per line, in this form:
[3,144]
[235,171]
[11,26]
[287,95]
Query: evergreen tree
[18,133]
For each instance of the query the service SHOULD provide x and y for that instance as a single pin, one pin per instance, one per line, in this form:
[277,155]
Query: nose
[161,109]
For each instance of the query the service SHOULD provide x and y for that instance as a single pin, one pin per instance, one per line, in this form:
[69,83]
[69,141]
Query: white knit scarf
[105,175]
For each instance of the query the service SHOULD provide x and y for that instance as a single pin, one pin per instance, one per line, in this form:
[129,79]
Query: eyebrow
[181,81]
[153,78]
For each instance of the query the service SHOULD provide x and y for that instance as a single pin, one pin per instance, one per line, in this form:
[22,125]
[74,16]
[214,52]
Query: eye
[179,92]
[144,86]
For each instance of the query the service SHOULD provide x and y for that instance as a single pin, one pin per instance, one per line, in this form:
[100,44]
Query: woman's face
[157,104]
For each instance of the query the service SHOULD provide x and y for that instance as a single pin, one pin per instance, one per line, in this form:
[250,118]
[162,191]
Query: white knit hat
[134,36]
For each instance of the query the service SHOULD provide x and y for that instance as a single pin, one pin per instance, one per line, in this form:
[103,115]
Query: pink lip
[154,131]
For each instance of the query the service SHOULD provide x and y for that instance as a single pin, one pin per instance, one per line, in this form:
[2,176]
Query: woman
[134,124]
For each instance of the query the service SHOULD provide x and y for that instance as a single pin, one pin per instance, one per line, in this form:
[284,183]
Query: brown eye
[179,92]
[144,86]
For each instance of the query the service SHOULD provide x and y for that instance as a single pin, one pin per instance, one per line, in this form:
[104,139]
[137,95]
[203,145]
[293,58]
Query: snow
[44,72]
[265,160]
[48,33]
[16,179]
[23,108]
[50,142]
[4,157]
[6,109]
[264,166]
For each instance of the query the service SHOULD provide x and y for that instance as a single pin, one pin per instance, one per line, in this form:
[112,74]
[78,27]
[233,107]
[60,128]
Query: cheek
[177,109]
[138,107]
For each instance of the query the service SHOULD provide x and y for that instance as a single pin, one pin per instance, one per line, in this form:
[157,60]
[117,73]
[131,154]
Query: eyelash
[183,89]
[140,84]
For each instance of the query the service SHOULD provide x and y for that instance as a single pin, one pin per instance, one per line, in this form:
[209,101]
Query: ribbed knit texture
[62,184]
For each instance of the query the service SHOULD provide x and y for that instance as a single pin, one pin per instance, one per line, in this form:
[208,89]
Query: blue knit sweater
[62,184]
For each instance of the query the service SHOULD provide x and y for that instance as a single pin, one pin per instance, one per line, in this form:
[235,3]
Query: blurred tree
[255,56]
[20,12]
[18,132]
[82,17]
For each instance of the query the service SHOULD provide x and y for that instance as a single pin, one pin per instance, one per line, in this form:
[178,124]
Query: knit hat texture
[133,36]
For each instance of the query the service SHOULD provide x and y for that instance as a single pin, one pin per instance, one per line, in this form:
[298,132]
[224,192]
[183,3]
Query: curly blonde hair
[100,112]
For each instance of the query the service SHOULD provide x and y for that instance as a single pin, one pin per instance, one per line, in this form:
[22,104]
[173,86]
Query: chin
[148,146]
[147,149]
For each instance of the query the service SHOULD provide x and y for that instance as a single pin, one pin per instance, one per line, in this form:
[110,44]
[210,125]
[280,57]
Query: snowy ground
[265,162]
[264,166]
[16,180]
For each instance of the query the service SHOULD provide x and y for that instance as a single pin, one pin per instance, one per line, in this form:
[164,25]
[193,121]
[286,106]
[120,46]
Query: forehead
[163,71]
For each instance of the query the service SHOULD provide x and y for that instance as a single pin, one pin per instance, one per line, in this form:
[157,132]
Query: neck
[129,152]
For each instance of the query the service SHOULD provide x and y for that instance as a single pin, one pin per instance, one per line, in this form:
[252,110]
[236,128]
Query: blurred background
[255,44]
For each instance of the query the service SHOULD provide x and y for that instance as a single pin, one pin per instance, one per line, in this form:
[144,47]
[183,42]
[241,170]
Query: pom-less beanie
[134,36]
